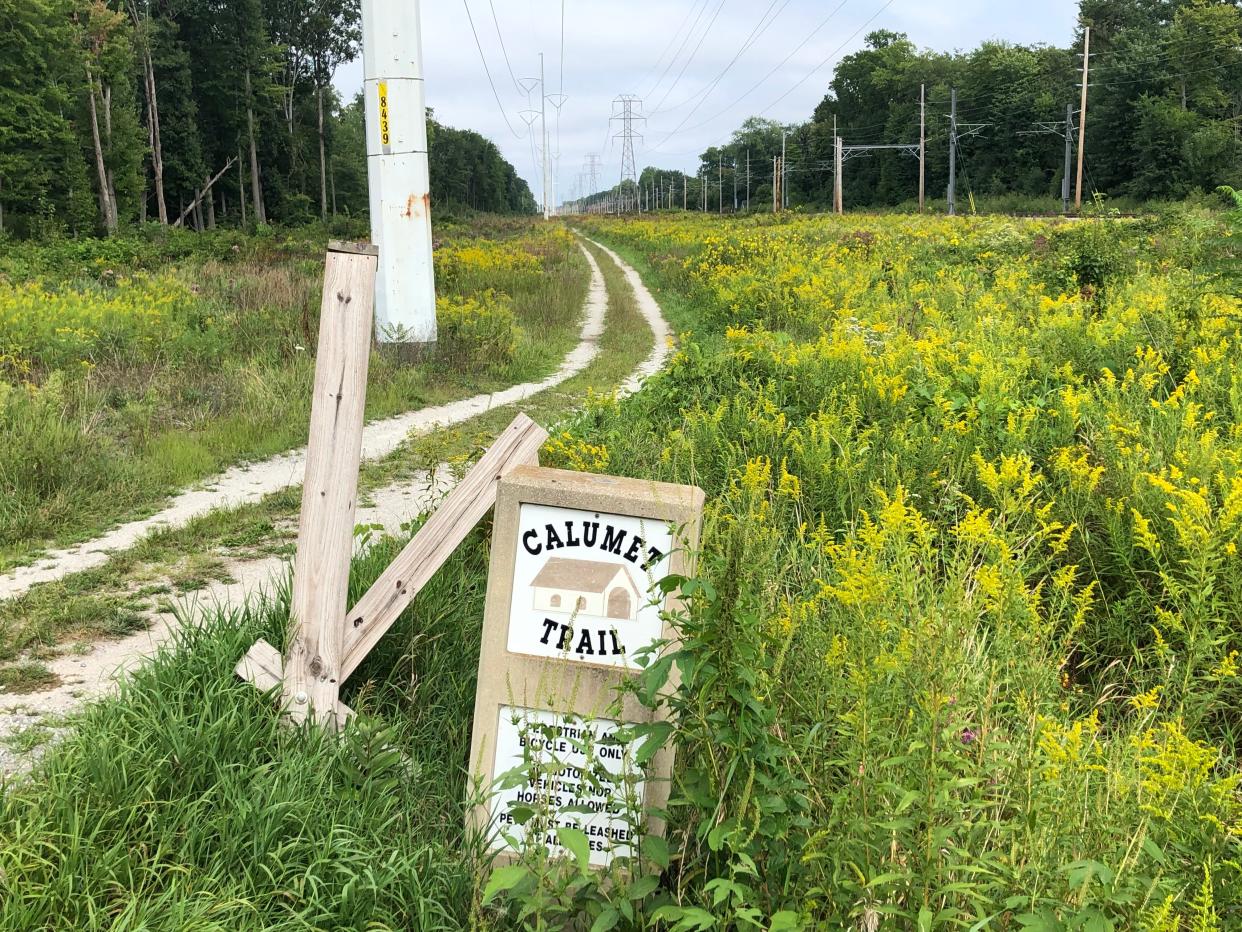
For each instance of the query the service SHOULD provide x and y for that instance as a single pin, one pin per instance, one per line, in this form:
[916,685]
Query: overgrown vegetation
[961,650]
[132,367]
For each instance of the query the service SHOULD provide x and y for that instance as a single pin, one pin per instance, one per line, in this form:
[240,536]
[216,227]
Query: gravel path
[87,676]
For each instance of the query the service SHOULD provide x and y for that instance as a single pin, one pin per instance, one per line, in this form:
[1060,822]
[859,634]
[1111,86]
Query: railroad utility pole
[784,202]
[922,141]
[685,192]
[720,183]
[1069,148]
[957,132]
[1082,114]
[748,180]
[735,184]
[952,195]
[1065,129]
[837,161]
[397,171]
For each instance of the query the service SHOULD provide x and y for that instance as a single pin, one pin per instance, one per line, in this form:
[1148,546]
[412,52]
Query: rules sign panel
[573,608]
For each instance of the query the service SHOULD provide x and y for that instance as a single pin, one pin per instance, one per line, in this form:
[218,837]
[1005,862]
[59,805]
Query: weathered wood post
[312,666]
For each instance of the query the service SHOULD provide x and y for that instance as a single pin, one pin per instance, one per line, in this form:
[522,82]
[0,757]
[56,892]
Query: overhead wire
[728,109]
[503,51]
[672,39]
[755,35]
[689,60]
[874,16]
[488,71]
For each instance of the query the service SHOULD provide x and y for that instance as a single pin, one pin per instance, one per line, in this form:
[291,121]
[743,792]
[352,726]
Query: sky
[698,66]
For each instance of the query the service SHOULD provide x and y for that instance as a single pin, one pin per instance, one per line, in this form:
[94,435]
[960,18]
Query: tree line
[115,112]
[1164,116]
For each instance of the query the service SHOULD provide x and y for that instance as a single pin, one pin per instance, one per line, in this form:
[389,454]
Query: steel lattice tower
[627,109]
[591,173]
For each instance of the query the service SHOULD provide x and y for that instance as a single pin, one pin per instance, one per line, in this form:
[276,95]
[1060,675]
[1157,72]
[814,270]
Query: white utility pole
[397,172]
[543,132]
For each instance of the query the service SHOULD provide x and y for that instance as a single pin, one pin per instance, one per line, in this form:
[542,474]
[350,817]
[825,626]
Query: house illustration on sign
[606,590]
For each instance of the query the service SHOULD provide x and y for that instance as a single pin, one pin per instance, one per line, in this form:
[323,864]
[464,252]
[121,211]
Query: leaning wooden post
[326,529]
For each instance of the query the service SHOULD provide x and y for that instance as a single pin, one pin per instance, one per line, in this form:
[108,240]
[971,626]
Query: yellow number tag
[385,137]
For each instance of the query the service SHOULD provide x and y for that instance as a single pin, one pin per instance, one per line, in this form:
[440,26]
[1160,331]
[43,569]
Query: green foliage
[1163,104]
[1089,257]
[476,333]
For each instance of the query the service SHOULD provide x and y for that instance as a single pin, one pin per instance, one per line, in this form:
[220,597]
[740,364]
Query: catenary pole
[952,152]
[1069,155]
[784,197]
[1082,114]
[397,171]
[838,161]
[922,140]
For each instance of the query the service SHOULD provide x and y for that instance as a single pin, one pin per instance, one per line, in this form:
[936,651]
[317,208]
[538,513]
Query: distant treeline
[118,111]
[1164,115]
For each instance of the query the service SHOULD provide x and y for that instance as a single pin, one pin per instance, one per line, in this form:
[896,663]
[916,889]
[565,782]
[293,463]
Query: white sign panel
[583,583]
[576,789]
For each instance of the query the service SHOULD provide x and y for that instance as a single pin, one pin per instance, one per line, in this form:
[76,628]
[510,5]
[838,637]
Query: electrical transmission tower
[591,170]
[627,109]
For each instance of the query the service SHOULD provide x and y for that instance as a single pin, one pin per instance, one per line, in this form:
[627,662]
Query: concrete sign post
[397,170]
[572,610]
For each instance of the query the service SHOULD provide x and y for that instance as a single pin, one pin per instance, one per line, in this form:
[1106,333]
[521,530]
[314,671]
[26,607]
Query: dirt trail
[251,482]
[87,676]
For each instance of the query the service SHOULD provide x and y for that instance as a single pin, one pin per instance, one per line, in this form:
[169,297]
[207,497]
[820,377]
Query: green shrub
[479,332]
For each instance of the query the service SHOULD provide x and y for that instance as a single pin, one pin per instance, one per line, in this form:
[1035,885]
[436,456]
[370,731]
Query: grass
[26,678]
[185,739]
[112,600]
[125,384]
[961,651]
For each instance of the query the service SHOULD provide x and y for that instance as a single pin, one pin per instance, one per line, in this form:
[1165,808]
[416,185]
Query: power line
[754,87]
[677,80]
[503,50]
[834,54]
[669,45]
[755,34]
[488,71]
[682,46]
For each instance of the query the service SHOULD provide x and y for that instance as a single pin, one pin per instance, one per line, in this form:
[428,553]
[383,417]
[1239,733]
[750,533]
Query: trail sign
[572,610]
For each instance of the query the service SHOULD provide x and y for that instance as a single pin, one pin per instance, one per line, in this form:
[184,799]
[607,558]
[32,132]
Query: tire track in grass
[87,676]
